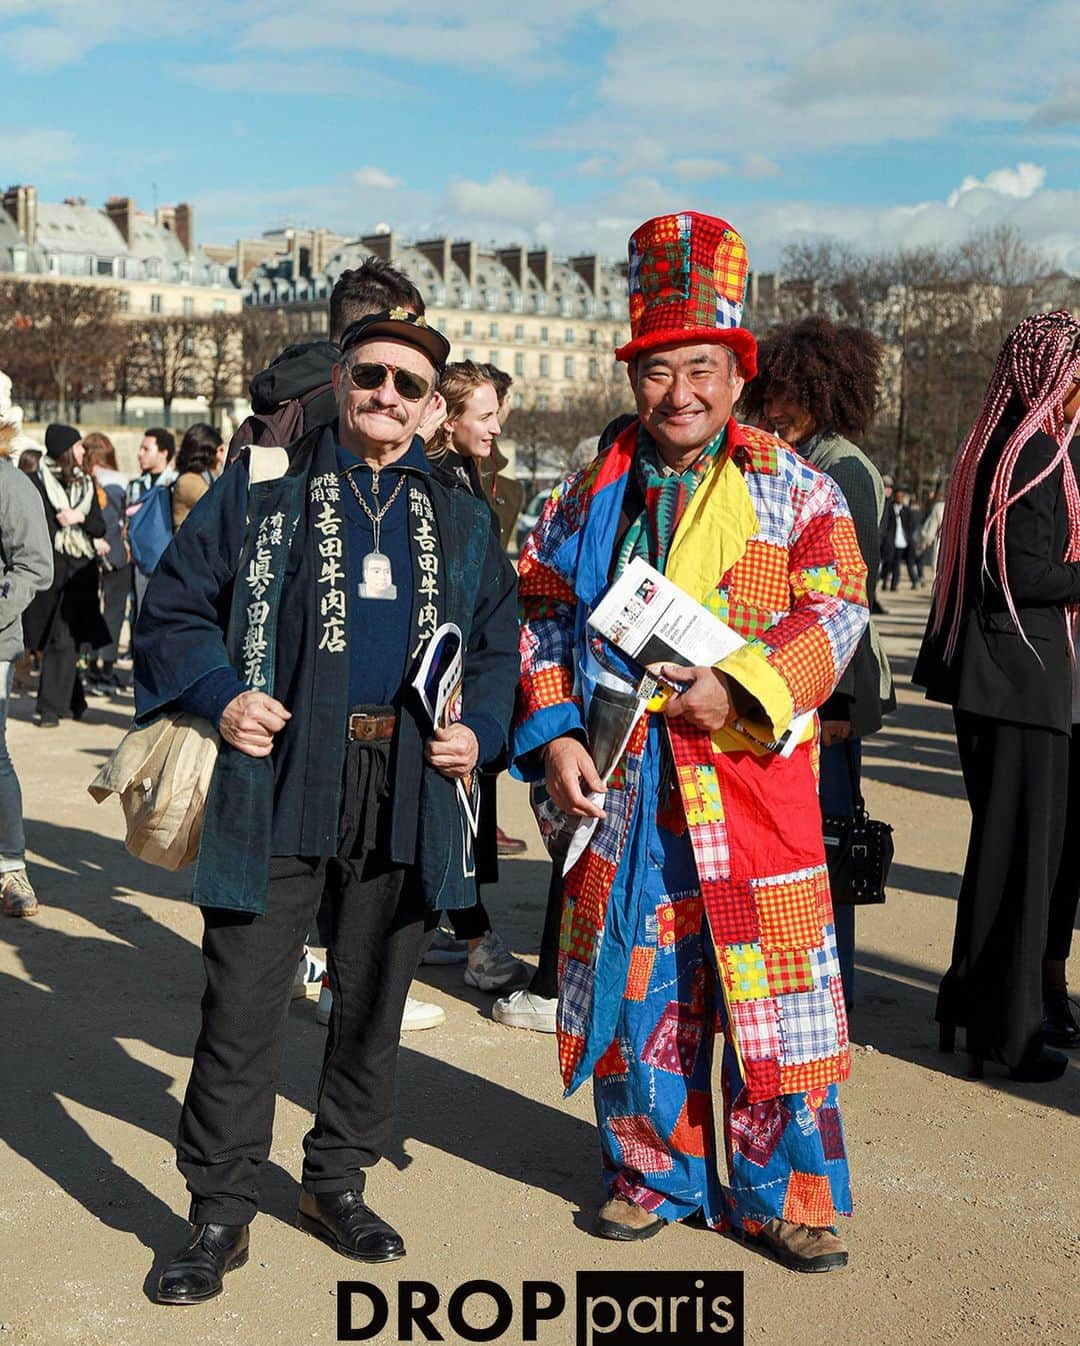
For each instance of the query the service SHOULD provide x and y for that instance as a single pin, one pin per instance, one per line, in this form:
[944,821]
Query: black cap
[398,324]
[59,438]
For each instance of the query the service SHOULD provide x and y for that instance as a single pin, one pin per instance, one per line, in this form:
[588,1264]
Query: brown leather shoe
[624,1220]
[505,845]
[798,1246]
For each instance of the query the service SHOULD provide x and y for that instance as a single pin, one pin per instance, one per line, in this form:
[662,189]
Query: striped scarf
[667,495]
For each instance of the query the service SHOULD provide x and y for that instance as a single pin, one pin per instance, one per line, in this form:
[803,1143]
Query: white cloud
[1063,108]
[306,77]
[375,179]
[504,197]
[1021,182]
[41,48]
[28,153]
[697,170]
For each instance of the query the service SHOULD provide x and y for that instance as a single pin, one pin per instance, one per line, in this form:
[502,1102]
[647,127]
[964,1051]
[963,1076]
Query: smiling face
[785,416]
[475,428]
[685,395]
[378,423]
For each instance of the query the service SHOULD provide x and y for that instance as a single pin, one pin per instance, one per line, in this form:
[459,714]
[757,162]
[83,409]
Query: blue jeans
[12,838]
[837,799]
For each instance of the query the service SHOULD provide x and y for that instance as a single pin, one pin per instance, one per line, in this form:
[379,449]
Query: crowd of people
[290,609]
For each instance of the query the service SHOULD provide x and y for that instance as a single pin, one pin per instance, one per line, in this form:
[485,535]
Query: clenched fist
[250,721]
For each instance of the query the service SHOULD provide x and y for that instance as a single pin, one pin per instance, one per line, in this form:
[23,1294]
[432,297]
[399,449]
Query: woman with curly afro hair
[817,387]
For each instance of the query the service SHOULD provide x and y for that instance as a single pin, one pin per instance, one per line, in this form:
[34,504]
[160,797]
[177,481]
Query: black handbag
[858,850]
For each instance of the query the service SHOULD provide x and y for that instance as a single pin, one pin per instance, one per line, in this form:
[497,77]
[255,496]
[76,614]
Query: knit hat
[687,285]
[59,437]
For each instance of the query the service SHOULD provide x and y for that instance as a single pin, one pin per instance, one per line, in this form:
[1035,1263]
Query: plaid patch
[596,881]
[815,546]
[575,997]
[639,972]
[758,448]
[825,962]
[789,914]
[756,1025]
[610,835]
[788,970]
[687,914]
[571,1050]
[664,274]
[818,580]
[813,1074]
[845,547]
[727,313]
[809,1200]
[762,1078]
[693,1132]
[540,581]
[747,621]
[807,1027]
[832,1133]
[711,854]
[700,794]
[641,1148]
[673,1044]
[730,265]
[744,972]
[806,665]
[732,911]
[836,989]
[760,577]
[543,687]
[790,629]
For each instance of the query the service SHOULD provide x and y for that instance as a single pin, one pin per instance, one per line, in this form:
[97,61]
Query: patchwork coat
[767,544]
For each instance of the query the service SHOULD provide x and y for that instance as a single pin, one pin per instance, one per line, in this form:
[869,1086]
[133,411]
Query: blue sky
[878,124]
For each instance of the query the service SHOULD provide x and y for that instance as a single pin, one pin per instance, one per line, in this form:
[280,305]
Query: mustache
[396,412]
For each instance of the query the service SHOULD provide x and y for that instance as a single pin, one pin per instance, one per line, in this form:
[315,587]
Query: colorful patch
[730,267]
[701,794]
[836,990]
[808,1030]
[546,686]
[789,914]
[813,1074]
[686,915]
[825,962]
[756,1025]
[693,1132]
[807,666]
[639,972]
[745,972]
[809,1200]
[757,1130]
[788,970]
[832,1133]
[732,911]
[762,1078]
[747,621]
[575,997]
[760,577]
[641,1148]
[612,1063]
[674,1043]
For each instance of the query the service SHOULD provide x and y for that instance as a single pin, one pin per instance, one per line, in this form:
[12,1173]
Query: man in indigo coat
[292,612]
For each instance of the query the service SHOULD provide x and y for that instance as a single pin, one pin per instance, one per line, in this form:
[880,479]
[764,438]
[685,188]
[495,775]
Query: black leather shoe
[1059,1026]
[195,1274]
[351,1228]
[1041,1066]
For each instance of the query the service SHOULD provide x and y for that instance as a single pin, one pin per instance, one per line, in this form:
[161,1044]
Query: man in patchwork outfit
[700,907]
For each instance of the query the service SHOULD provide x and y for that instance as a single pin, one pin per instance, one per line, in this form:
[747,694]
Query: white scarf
[72,540]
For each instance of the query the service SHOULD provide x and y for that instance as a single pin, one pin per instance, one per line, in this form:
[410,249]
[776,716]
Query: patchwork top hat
[688,284]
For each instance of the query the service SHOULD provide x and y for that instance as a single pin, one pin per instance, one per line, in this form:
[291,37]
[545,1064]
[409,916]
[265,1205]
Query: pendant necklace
[376,575]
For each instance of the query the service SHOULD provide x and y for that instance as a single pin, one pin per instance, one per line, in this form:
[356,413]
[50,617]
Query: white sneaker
[492,967]
[309,974]
[444,948]
[326,1002]
[522,1009]
[420,1014]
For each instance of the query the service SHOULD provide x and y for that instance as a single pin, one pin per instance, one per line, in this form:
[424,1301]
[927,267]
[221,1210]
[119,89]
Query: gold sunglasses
[367,375]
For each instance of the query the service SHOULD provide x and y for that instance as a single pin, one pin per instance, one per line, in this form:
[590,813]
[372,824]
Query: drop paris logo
[613,1308]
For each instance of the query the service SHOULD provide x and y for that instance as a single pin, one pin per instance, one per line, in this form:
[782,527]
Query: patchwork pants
[653,1091]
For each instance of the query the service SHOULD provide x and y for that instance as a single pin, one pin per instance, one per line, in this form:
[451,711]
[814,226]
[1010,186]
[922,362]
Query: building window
[566,307]
[18,260]
[519,401]
[468,353]
[155,303]
[542,402]
[105,266]
[123,301]
[543,336]
[493,358]
[493,329]
[441,325]
[568,367]
[219,305]
[466,327]
[594,337]
[519,331]
[568,336]
[189,345]
[519,365]
[540,302]
[594,369]
[189,307]
[545,366]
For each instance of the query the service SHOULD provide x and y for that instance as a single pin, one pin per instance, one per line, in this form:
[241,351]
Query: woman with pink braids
[998,649]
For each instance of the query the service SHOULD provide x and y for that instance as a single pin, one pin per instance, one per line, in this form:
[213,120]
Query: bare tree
[221,356]
[167,359]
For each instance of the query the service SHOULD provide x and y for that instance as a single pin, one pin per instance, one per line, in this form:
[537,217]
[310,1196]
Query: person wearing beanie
[68,613]
[698,918]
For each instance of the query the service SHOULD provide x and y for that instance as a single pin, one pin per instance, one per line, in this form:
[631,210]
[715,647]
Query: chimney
[588,268]
[185,227]
[165,218]
[121,211]
[516,261]
[319,249]
[382,245]
[540,266]
[438,252]
[464,254]
[21,204]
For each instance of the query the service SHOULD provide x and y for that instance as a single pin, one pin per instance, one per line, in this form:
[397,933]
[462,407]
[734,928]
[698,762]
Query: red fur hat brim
[737,339]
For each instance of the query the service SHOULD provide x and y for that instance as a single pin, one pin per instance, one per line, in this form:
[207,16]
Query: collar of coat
[302,451]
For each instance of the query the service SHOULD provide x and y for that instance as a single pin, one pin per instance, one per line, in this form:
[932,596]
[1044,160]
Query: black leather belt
[368,728]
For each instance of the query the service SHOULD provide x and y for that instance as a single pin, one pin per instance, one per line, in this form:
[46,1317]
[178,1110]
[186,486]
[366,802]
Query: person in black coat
[998,650]
[67,614]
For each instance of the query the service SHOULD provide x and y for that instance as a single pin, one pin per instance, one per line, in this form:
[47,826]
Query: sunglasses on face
[368,376]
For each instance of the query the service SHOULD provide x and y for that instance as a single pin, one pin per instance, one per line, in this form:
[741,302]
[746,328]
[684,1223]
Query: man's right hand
[571,777]
[250,721]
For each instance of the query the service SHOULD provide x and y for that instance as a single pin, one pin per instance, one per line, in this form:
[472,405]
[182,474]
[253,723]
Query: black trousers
[545,980]
[59,689]
[378,923]
[1015,776]
[1065,894]
[115,588]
